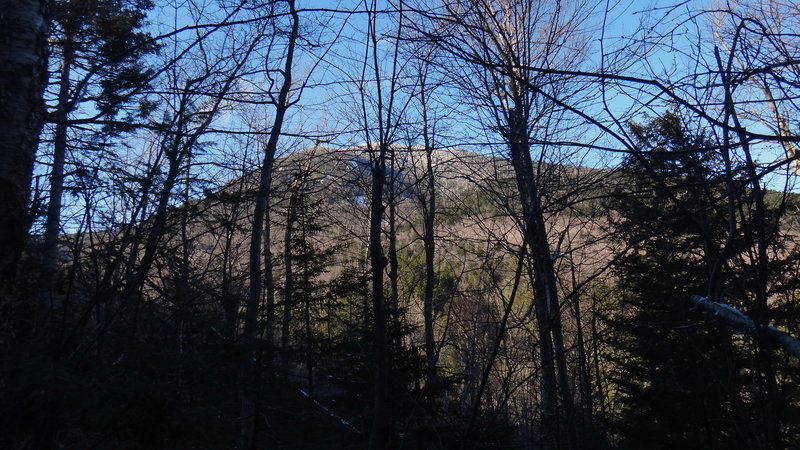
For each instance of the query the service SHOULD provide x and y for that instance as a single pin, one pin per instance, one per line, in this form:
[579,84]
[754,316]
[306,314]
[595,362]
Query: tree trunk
[585,381]
[394,289]
[23,60]
[379,433]
[230,301]
[288,283]
[549,402]
[50,251]
[248,396]
[544,280]
[598,373]
[496,345]
[429,243]
[269,282]
[757,236]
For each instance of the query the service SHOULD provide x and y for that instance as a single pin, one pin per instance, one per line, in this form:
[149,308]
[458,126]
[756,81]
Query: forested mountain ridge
[190,299]
[475,193]
[316,348]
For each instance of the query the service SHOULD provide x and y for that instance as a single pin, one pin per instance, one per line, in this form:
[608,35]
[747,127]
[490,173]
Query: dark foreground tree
[98,48]
[682,377]
[249,367]
[23,35]
[493,44]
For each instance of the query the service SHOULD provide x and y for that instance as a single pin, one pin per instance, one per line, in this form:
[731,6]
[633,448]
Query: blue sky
[645,39]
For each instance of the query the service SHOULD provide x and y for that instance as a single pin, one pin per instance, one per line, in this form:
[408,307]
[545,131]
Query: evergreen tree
[678,374]
[98,50]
